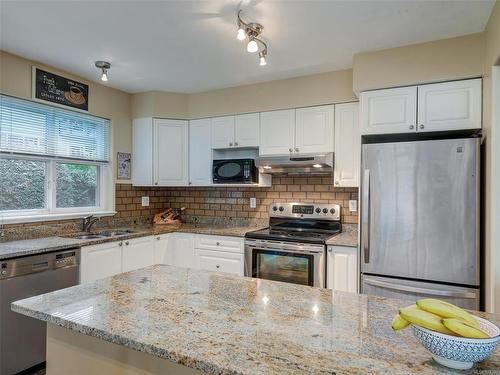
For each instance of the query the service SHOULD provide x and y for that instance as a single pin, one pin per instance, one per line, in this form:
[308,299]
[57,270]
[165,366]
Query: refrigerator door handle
[411,289]
[365,217]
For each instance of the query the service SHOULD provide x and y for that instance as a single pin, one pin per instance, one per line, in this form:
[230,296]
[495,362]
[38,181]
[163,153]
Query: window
[53,162]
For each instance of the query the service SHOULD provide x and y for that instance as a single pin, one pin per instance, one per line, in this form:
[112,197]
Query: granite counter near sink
[224,324]
[13,249]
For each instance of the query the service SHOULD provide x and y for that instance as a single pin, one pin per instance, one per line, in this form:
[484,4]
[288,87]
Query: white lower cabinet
[180,250]
[100,261]
[137,253]
[160,246]
[223,261]
[342,268]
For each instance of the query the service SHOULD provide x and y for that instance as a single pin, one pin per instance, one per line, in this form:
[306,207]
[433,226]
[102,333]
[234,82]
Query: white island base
[70,352]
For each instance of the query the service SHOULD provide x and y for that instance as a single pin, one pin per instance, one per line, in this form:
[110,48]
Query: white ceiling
[191,46]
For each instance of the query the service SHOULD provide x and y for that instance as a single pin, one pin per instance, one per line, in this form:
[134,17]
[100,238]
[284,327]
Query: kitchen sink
[113,233]
[105,234]
[87,236]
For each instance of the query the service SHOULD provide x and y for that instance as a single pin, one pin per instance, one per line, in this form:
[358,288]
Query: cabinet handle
[290,149]
[422,126]
[231,144]
[236,143]
[120,243]
[296,149]
[217,266]
[217,243]
[126,242]
[411,127]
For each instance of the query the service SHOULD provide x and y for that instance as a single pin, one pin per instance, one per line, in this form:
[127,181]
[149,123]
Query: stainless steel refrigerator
[420,220]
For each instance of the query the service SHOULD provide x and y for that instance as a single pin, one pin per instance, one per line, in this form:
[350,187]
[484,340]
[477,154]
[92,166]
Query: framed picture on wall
[53,88]
[123,161]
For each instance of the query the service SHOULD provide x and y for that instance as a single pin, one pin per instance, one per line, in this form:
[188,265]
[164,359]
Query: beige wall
[492,175]
[160,104]
[15,80]
[332,87]
[441,60]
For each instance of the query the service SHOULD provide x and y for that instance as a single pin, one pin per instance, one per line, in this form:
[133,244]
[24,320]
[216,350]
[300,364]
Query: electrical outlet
[145,201]
[253,202]
[353,205]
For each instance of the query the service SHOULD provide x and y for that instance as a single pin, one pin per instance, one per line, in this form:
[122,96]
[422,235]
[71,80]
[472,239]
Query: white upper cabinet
[314,129]
[142,151]
[170,152]
[449,106]
[347,145]
[389,111]
[246,130]
[277,132]
[200,153]
[223,132]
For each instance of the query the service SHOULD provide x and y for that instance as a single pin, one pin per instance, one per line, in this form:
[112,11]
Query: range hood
[315,164]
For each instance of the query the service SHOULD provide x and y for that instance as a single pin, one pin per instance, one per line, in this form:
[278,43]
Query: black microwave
[234,171]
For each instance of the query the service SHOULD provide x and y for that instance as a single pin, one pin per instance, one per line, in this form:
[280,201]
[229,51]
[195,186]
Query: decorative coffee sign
[56,89]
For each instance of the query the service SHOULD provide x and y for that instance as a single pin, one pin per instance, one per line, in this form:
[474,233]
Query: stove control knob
[318,210]
[332,210]
[325,210]
[281,208]
[275,208]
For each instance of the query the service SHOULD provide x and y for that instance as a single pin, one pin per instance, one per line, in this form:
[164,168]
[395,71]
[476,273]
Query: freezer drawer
[413,290]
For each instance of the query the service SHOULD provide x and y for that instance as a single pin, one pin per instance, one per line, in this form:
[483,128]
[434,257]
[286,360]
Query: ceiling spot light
[252,31]
[104,66]
[267,167]
[262,59]
[241,34]
[317,165]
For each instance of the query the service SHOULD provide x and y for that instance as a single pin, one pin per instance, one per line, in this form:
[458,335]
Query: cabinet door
[247,130]
[277,132]
[219,261]
[314,129]
[200,153]
[170,152]
[160,246]
[100,261]
[137,253]
[142,155]
[449,106]
[347,145]
[223,132]
[342,268]
[389,111]
[180,250]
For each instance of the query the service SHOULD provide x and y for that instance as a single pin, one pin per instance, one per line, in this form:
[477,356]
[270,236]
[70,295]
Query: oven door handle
[287,247]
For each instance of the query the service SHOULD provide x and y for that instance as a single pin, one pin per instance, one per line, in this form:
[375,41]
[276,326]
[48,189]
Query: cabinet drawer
[219,261]
[219,243]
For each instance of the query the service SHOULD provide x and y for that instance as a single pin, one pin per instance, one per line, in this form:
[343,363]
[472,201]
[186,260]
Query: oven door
[290,262]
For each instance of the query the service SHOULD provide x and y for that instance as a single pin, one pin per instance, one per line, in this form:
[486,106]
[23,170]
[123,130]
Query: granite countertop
[14,249]
[220,323]
[348,237]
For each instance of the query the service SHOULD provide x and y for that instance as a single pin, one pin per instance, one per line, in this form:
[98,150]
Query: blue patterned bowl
[458,352]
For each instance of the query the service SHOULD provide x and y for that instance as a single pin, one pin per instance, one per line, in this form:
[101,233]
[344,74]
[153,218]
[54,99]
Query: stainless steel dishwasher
[22,339]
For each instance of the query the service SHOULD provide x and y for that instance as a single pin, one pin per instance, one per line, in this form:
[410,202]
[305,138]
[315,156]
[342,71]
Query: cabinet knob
[190,183]
[230,143]
[217,243]
[290,149]
[217,266]
[236,143]
[422,126]
[126,242]
[330,250]
[296,149]
[158,238]
[412,126]
[120,243]
[336,182]
[156,183]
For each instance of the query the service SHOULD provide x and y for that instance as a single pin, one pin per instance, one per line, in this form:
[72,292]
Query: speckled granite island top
[219,323]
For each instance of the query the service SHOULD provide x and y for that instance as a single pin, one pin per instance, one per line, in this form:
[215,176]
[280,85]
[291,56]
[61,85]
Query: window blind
[28,127]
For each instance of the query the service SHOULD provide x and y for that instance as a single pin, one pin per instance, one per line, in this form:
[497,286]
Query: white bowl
[459,352]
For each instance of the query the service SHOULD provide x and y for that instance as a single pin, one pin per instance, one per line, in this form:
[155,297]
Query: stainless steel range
[293,248]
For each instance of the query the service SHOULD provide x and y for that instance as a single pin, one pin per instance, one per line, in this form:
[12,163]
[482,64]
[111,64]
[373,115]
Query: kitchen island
[170,320]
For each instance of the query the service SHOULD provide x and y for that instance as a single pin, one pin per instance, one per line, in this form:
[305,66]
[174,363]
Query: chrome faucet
[88,221]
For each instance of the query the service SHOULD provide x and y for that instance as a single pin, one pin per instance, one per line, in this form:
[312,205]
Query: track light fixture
[104,66]
[252,31]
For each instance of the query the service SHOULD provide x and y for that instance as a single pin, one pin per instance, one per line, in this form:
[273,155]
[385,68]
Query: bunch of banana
[441,317]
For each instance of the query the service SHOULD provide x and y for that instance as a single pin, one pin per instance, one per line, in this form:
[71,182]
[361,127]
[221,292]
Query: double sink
[105,234]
